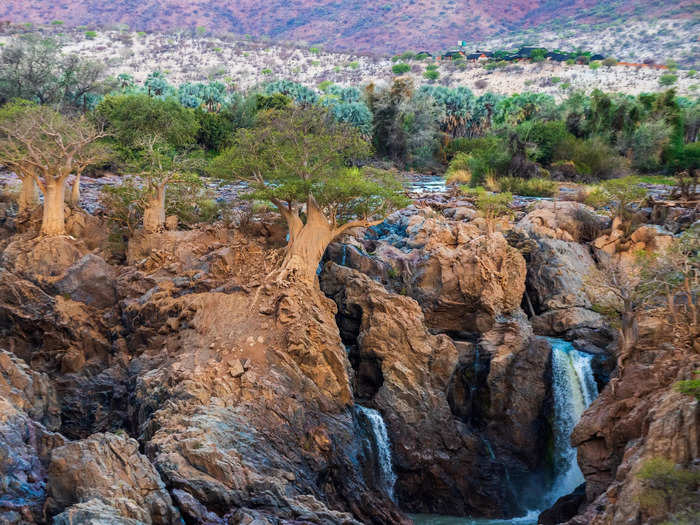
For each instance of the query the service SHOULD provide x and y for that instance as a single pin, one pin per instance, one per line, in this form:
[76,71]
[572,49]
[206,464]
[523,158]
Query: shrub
[690,387]
[595,65]
[431,75]
[648,143]
[668,79]
[480,157]
[593,158]
[668,489]
[354,65]
[400,69]
[491,206]
[90,35]
[535,187]
[609,62]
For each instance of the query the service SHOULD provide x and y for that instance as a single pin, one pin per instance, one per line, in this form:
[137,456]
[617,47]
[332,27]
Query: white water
[382,448]
[574,389]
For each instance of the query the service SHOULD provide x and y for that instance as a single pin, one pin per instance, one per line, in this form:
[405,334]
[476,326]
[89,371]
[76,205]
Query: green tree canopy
[300,157]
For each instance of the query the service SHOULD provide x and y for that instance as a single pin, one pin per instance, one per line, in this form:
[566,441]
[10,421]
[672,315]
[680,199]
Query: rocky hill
[244,64]
[355,25]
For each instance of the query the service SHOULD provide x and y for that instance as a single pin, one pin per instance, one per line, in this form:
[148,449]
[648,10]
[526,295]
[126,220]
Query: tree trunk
[307,244]
[75,192]
[28,194]
[154,213]
[53,220]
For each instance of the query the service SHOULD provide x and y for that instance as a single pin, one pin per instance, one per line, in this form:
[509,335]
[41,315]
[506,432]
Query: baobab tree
[45,147]
[299,160]
[160,165]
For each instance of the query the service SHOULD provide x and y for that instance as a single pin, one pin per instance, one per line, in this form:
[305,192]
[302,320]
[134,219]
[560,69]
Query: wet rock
[108,468]
[564,508]
[412,377]
[559,322]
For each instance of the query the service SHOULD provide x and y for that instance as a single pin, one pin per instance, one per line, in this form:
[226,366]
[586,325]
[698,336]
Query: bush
[609,62]
[648,143]
[480,157]
[668,79]
[668,489]
[535,187]
[432,75]
[593,158]
[400,69]
[90,35]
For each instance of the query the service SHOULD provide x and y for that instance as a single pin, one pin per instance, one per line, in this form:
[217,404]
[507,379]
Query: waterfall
[574,389]
[377,441]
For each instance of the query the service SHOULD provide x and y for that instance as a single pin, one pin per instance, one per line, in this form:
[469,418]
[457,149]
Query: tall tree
[45,147]
[298,158]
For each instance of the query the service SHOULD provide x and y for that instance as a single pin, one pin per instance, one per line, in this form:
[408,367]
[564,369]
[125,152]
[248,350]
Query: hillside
[245,64]
[351,25]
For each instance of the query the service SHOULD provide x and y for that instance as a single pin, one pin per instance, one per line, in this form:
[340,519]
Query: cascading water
[574,389]
[376,437]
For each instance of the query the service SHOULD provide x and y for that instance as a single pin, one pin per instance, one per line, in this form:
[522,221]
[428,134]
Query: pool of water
[435,519]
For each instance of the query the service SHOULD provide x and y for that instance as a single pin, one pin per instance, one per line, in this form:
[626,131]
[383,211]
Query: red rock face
[356,26]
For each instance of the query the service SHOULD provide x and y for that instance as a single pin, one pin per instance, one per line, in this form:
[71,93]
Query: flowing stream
[574,389]
[377,439]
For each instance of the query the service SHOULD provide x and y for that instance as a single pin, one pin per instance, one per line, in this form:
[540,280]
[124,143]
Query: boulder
[91,281]
[564,508]
[562,220]
[93,512]
[559,322]
[468,286]
[561,274]
[109,468]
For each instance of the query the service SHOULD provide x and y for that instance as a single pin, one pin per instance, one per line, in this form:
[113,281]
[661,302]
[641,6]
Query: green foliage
[432,75]
[649,141]
[405,125]
[618,195]
[90,35]
[480,157]
[292,153]
[669,490]
[511,111]
[594,65]
[546,136]
[274,101]
[609,62]
[34,67]
[299,93]
[130,117]
[354,65]
[690,387]
[400,69]
[593,158]
[535,187]
[668,79]
[491,206]
[460,107]
[212,95]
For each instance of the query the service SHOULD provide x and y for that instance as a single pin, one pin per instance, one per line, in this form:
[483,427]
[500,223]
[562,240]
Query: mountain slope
[358,25]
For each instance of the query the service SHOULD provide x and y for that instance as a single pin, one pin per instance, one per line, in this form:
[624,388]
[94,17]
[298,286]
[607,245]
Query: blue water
[433,519]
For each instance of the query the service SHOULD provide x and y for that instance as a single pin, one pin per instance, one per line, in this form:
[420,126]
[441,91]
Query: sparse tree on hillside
[45,147]
[300,157]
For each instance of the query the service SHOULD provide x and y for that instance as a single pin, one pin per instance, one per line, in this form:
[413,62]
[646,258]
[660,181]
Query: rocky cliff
[183,386]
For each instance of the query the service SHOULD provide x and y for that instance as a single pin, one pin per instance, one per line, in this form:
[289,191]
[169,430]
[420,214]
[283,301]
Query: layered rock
[29,414]
[639,416]
[108,468]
